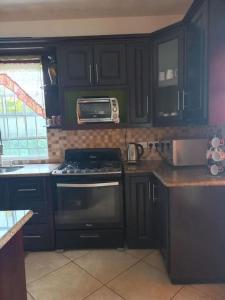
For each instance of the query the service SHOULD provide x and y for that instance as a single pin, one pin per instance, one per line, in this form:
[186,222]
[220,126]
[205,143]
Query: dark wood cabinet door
[4,202]
[168,75]
[75,65]
[139,83]
[196,96]
[162,208]
[139,212]
[110,64]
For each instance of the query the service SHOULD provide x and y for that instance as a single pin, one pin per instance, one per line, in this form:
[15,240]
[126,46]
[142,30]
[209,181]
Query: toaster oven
[97,110]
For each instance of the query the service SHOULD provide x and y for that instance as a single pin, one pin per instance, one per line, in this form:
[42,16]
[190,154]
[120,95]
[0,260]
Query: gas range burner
[83,168]
[90,162]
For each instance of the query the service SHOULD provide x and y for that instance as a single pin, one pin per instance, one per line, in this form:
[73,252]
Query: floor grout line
[115,292]
[87,272]
[31,282]
[30,295]
[177,292]
[76,257]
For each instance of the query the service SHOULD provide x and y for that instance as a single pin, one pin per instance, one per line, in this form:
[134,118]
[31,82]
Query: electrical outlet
[144,145]
[153,145]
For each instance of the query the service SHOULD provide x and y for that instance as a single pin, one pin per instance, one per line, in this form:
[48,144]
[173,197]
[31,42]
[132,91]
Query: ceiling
[22,10]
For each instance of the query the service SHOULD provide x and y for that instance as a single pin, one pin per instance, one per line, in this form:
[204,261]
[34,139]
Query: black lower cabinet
[192,236]
[141,220]
[31,193]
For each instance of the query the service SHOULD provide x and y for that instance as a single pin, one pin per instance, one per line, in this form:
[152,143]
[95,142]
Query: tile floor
[107,275]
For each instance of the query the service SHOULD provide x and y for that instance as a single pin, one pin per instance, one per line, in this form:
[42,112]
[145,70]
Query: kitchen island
[12,270]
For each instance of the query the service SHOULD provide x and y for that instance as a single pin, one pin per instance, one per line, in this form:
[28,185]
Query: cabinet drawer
[39,209]
[27,188]
[74,239]
[37,237]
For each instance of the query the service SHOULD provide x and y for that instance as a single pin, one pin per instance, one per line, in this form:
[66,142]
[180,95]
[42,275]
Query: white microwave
[97,110]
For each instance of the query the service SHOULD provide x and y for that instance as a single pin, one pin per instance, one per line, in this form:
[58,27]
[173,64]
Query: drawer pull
[31,236]
[89,236]
[36,213]
[27,190]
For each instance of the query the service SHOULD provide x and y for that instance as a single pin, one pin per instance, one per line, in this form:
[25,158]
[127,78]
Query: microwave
[97,110]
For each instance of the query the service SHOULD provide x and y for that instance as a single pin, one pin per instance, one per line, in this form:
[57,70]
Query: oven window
[95,110]
[88,206]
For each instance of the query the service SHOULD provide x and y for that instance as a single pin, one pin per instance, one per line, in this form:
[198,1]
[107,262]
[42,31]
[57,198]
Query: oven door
[89,205]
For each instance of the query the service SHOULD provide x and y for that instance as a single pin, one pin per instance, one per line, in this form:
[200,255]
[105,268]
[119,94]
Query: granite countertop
[31,170]
[11,222]
[176,176]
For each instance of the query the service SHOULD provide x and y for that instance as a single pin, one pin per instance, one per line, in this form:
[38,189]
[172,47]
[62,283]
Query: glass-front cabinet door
[168,74]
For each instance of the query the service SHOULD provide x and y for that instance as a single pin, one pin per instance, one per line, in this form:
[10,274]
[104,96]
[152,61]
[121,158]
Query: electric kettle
[134,152]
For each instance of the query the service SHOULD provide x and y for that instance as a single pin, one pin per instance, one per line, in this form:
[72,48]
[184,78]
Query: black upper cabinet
[139,82]
[196,98]
[92,64]
[110,64]
[168,78]
[76,65]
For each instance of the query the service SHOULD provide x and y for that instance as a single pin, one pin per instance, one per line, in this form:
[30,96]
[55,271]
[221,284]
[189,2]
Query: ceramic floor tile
[143,282]
[68,283]
[105,264]
[39,264]
[104,293]
[74,254]
[139,253]
[189,293]
[214,290]
[155,259]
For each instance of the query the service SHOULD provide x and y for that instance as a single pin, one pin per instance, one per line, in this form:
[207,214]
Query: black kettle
[134,152]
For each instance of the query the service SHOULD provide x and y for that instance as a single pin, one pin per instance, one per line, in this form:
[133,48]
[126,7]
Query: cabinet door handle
[31,236]
[183,99]
[89,236]
[153,194]
[149,190]
[90,74]
[96,69]
[178,100]
[27,190]
[35,213]
[147,105]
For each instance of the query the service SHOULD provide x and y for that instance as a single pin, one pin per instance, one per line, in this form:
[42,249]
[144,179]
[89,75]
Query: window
[22,107]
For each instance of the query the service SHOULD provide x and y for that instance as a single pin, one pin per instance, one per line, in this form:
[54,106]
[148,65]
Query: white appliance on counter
[184,152]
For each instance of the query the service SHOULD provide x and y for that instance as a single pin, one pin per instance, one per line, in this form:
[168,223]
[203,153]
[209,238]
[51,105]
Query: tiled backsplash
[59,140]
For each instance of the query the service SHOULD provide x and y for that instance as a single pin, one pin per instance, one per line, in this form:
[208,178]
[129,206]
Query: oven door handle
[87,185]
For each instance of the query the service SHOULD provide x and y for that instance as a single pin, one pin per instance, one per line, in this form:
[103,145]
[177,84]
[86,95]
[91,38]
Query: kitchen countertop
[176,176]
[32,170]
[11,222]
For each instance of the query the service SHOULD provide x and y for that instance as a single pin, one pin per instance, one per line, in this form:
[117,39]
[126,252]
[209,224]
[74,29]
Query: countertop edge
[15,228]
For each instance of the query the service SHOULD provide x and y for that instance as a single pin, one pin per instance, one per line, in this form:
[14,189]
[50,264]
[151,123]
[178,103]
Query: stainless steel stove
[88,199]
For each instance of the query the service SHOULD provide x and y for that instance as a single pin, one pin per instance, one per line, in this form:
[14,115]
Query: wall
[79,27]
[60,140]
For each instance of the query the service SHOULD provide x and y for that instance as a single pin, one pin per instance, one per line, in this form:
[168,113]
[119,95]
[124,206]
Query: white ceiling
[19,10]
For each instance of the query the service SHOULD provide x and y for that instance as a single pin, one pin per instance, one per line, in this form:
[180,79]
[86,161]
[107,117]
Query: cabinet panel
[196,97]
[27,188]
[139,212]
[110,64]
[37,237]
[139,83]
[76,65]
[168,77]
